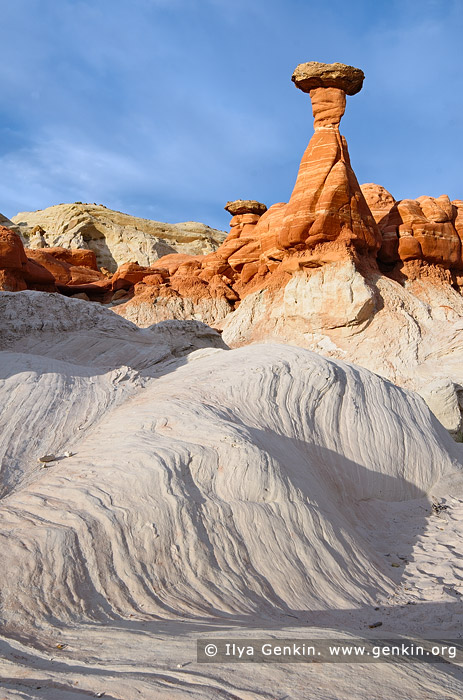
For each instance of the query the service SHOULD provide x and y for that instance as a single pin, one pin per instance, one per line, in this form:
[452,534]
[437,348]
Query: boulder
[245,206]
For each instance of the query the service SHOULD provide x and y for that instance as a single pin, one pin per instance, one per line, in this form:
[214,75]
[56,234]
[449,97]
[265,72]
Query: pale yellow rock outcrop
[8,223]
[115,237]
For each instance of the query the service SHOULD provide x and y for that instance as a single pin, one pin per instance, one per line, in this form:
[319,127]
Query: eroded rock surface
[427,229]
[48,270]
[245,206]
[314,74]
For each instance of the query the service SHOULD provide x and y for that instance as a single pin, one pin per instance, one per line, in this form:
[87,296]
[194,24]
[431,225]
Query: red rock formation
[127,275]
[71,278]
[51,269]
[326,204]
[13,261]
[426,229]
[326,218]
[38,277]
[78,257]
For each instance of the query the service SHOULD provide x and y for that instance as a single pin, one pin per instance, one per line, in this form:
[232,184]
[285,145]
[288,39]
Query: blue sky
[166,109]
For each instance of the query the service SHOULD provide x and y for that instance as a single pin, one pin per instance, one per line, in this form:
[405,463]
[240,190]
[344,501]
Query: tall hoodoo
[326,219]
[327,204]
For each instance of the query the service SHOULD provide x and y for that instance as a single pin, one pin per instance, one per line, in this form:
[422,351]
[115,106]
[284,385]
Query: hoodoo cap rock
[308,76]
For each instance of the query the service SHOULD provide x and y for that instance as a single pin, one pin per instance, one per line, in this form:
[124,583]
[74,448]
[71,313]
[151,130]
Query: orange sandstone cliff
[418,233]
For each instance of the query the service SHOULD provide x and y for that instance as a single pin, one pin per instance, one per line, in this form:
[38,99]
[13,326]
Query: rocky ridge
[114,237]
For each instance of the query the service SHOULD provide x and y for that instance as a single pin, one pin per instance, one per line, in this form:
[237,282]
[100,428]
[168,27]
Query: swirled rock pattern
[251,445]
[198,490]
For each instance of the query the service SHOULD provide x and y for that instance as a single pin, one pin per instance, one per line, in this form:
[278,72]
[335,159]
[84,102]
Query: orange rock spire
[327,204]
[326,219]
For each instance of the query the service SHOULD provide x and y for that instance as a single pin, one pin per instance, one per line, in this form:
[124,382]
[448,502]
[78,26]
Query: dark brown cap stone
[245,206]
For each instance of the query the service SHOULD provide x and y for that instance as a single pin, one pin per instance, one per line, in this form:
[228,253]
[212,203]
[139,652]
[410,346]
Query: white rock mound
[221,483]
[411,334]
[65,363]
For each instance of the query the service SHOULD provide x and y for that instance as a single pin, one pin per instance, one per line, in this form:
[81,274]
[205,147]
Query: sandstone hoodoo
[327,205]
[326,219]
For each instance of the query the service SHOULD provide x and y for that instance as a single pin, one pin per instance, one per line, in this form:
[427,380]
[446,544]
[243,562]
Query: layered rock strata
[428,230]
